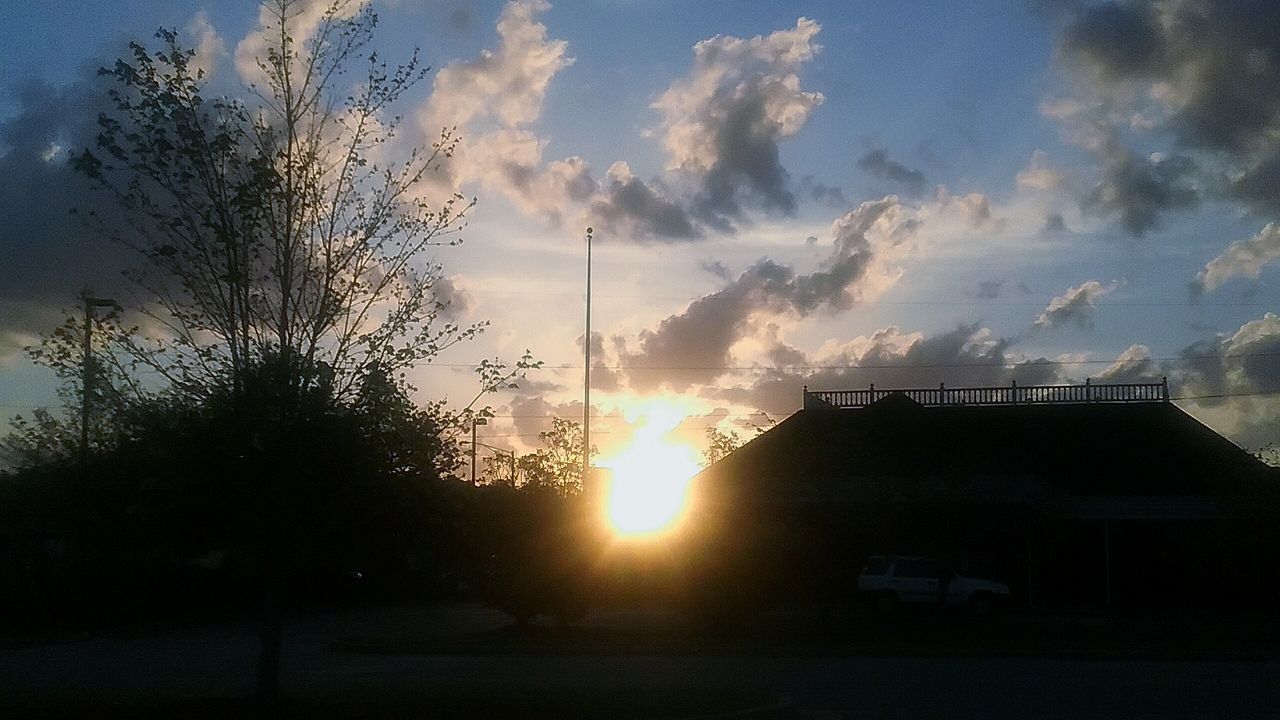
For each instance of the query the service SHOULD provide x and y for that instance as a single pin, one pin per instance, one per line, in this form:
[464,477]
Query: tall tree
[278,223]
[284,250]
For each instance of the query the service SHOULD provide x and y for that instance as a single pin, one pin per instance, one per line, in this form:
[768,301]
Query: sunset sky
[831,193]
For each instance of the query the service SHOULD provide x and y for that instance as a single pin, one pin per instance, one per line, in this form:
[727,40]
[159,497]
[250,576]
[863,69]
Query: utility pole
[586,377]
[86,372]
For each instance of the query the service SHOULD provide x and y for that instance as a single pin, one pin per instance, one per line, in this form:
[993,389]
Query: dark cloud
[453,301]
[989,289]
[693,347]
[926,152]
[746,168]
[1054,224]
[1258,183]
[48,253]
[532,415]
[629,203]
[715,267]
[1139,190]
[1247,361]
[1118,41]
[723,122]
[878,164]
[828,195]
[1212,70]
[602,376]
[462,18]
[1240,374]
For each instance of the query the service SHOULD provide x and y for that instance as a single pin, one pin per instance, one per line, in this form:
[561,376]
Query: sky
[830,194]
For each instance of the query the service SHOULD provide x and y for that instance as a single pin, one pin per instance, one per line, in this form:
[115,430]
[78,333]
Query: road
[218,661]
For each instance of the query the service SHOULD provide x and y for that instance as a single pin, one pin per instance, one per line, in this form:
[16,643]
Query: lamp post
[474,423]
[86,371]
[586,377]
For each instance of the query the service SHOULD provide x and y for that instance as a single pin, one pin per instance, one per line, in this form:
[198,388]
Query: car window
[916,568]
[876,566]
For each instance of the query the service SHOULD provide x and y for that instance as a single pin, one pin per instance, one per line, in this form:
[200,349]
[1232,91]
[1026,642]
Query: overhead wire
[881,366]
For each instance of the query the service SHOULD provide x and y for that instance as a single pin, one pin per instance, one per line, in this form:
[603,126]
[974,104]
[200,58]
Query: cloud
[1076,305]
[1134,365]
[989,289]
[451,297]
[602,377]
[48,253]
[491,101]
[828,195]
[1140,189]
[461,18]
[722,123]
[879,165]
[1205,73]
[969,355]
[695,345]
[1244,258]
[1054,224]
[722,126]
[506,85]
[304,18]
[1240,372]
[639,209]
[715,267]
[209,46]
[1039,175]
[1247,360]
[494,99]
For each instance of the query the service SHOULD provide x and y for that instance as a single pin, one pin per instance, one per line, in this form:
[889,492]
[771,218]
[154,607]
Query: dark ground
[465,661]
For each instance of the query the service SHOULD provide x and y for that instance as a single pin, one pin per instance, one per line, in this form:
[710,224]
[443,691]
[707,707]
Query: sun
[647,493]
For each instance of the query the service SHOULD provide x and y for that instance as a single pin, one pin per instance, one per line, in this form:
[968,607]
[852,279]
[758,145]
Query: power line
[711,297]
[917,366]
[1260,393]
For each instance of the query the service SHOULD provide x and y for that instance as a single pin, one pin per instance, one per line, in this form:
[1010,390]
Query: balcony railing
[1014,394]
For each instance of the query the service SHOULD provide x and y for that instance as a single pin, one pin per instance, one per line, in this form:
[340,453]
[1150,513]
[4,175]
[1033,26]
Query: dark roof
[895,446]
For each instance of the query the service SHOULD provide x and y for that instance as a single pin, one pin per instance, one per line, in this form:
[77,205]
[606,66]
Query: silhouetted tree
[499,468]
[47,437]
[719,444]
[283,259]
[557,465]
[276,224]
[1269,454]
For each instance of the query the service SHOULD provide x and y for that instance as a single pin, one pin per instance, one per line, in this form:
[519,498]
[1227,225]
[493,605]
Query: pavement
[218,660]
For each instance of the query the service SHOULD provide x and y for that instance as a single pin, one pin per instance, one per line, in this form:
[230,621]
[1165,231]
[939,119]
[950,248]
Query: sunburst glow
[648,492]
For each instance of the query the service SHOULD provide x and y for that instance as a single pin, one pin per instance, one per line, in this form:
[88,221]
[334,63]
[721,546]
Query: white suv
[891,579]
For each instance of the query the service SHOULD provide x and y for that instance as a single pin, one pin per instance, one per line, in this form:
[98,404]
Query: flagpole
[586,377]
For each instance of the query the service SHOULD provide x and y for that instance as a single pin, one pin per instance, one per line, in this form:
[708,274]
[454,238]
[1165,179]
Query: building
[1081,495]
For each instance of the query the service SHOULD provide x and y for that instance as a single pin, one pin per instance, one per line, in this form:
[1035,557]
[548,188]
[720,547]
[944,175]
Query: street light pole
[86,372]
[475,422]
[586,378]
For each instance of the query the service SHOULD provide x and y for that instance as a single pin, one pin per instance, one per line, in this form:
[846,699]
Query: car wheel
[886,603]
